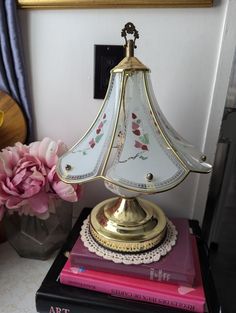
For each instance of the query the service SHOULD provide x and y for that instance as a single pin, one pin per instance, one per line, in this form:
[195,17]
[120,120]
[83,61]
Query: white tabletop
[19,280]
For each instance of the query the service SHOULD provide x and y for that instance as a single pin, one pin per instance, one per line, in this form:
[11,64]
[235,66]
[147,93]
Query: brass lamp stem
[129,52]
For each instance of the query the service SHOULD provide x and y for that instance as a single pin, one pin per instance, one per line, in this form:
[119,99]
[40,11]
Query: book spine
[45,304]
[153,274]
[50,305]
[138,294]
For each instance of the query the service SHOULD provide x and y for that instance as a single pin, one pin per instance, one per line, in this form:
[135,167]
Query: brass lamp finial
[130,44]
[130,62]
[129,29]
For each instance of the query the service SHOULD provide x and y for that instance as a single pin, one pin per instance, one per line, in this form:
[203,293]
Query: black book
[54,297]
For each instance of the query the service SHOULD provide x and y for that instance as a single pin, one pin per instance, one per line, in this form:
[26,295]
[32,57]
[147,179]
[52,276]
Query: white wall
[216,109]
[181,46]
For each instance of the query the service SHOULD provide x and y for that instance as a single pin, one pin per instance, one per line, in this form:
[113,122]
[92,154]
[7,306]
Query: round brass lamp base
[127,225]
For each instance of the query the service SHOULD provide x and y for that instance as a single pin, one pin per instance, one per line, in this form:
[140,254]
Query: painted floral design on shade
[141,141]
[99,132]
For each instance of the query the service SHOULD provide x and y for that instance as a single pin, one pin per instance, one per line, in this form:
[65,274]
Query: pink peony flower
[65,191]
[28,181]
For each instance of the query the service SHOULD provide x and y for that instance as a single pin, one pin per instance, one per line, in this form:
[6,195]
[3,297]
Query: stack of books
[174,281]
[85,282]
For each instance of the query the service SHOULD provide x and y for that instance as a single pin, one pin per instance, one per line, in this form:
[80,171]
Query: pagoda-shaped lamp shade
[133,148]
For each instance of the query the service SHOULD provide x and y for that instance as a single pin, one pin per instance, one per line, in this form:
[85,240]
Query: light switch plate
[106,57]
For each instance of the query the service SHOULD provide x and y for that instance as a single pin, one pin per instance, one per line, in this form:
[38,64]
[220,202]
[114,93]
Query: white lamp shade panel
[84,161]
[187,152]
[139,148]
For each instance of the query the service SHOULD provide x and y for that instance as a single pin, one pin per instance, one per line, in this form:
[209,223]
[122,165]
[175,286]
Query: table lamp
[133,148]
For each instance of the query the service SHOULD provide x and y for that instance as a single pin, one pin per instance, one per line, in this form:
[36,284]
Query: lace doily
[146,257]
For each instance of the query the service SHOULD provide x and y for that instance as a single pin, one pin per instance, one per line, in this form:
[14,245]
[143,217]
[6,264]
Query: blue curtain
[12,73]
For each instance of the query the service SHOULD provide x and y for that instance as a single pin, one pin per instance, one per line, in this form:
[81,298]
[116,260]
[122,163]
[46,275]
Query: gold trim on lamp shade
[57,4]
[123,81]
[129,64]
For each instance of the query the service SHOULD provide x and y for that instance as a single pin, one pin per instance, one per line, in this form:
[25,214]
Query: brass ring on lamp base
[127,225]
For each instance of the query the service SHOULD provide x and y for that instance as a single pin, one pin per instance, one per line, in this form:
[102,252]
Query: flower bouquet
[34,202]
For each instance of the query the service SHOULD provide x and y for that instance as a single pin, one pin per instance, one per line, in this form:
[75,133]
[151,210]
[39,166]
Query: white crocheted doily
[146,257]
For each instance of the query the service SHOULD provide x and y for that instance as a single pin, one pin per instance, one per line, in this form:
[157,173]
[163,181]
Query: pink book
[167,269]
[187,298]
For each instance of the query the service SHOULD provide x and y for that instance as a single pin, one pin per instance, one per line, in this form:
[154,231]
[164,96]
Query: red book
[187,298]
[176,267]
